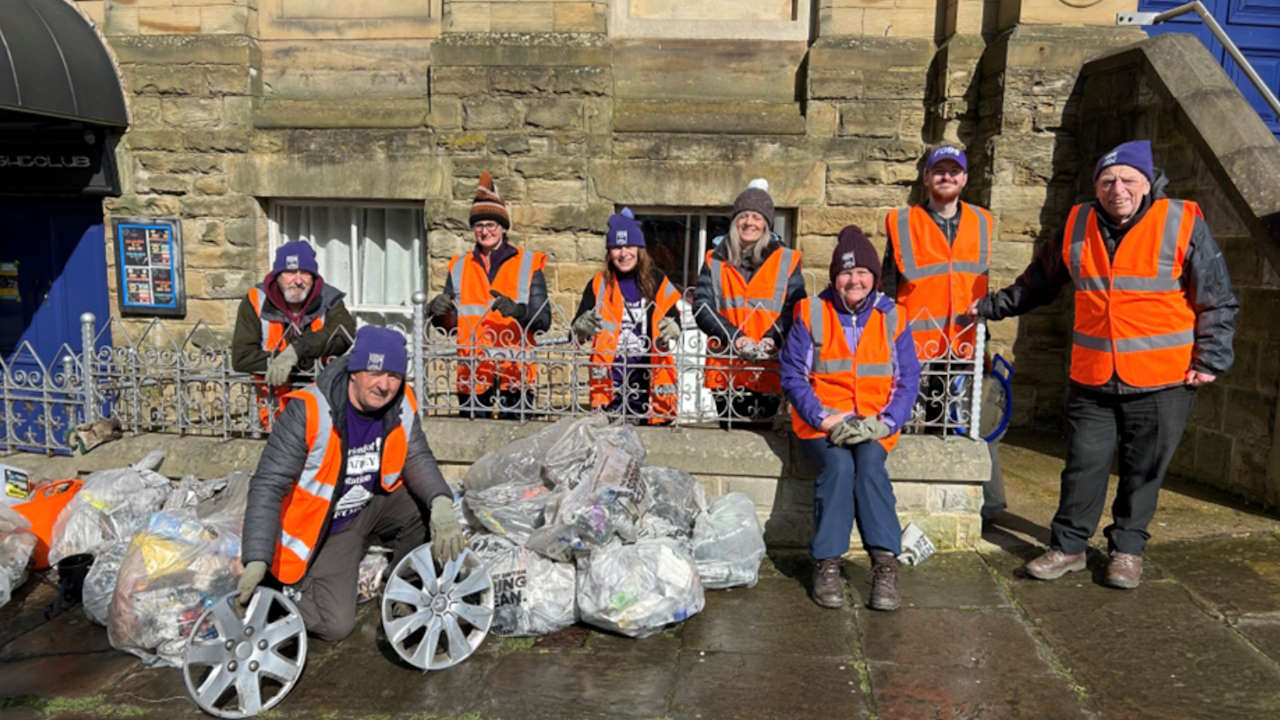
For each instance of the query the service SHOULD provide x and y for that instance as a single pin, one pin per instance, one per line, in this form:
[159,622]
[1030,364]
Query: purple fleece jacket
[796,359]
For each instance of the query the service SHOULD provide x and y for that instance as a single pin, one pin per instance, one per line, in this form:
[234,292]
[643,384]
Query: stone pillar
[190,72]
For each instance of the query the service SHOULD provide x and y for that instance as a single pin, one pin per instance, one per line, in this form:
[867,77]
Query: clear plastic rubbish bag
[728,543]
[594,453]
[100,582]
[174,569]
[518,462]
[111,506]
[531,594]
[636,590]
[16,545]
[676,500]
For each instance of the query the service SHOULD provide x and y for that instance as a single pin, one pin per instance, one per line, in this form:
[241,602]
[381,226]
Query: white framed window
[374,252]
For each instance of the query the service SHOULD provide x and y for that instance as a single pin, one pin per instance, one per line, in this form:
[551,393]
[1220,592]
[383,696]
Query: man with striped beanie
[495,300]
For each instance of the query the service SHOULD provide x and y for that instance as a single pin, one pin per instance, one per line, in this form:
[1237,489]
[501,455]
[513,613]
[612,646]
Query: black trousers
[1145,428]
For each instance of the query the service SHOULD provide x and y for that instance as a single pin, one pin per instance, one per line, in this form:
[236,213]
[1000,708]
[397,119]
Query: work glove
[669,330]
[588,324]
[505,306]
[765,348]
[440,305]
[250,579]
[446,533]
[840,434]
[280,366]
[864,429]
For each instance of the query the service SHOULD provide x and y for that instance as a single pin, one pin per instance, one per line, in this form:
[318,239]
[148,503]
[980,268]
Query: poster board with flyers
[149,267]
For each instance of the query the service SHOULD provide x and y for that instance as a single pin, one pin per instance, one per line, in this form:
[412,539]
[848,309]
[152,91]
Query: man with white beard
[287,323]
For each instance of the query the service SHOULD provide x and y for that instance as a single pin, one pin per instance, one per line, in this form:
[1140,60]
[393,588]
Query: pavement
[975,638]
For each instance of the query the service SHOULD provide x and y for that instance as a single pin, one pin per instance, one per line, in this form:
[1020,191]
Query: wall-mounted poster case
[149,266]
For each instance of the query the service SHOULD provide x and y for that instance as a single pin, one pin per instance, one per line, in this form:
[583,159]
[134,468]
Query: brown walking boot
[1124,571]
[884,581]
[1054,564]
[828,591]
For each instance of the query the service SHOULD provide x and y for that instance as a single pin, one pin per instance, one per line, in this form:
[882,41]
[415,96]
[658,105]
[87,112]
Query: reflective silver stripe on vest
[817,328]
[717,289]
[258,298]
[525,279]
[1091,284]
[884,369]
[1083,216]
[780,282]
[471,310]
[406,422]
[984,240]
[779,287]
[1092,342]
[904,244]
[1156,342]
[295,545]
[315,454]
[612,327]
[913,272]
[927,324]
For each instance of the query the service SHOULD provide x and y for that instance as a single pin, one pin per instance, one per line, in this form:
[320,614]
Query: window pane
[664,238]
[390,255]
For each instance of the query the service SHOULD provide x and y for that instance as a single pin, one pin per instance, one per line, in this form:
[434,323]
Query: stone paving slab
[733,685]
[1235,575]
[774,618]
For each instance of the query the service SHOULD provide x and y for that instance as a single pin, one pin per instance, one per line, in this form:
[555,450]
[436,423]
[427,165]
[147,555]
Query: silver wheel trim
[241,652]
[436,617]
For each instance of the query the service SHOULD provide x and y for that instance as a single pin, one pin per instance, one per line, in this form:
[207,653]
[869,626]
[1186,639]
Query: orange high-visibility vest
[273,331]
[752,308]
[273,341]
[305,510]
[484,333]
[1132,316]
[938,279]
[662,366]
[860,380]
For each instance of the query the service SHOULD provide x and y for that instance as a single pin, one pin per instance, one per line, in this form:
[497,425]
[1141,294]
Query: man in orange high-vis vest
[936,264]
[1154,320]
[850,371]
[347,461]
[495,303]
[287,323]
[744,299]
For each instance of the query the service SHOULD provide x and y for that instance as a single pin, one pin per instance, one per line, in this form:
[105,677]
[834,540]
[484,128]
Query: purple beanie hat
[1135,153]
[378,349]
[624,230]
[296,255]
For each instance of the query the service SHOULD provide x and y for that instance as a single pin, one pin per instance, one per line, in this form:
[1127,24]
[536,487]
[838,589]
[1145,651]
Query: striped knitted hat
[488,204]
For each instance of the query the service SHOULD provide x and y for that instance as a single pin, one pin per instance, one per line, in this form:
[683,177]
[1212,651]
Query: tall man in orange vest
[936,265]
[495,298]
[849,369]
[1154,320]
[287,323]
[347,461]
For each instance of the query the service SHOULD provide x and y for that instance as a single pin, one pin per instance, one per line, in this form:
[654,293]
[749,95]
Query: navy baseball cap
[946,152]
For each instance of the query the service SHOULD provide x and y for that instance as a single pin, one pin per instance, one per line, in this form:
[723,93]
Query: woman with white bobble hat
[747,289]
[628,313]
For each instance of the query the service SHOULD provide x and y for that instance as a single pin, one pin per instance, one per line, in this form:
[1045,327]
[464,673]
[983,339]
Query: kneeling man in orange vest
[347,461]
[1154,320]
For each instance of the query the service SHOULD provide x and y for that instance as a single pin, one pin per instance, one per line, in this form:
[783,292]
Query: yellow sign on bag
[17,483]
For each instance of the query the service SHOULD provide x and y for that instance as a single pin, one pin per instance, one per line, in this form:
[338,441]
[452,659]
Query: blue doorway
[1253,25]
[53,268]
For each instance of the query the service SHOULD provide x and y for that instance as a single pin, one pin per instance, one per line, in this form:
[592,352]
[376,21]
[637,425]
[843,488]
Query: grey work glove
[446,533]
[588,325]
[250,579]
[864,429]
[839,434]
[505,306]
[281,366]
[766,348]
[669,330]
[440,305]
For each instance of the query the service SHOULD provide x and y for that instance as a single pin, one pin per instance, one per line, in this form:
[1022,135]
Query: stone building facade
[248,115]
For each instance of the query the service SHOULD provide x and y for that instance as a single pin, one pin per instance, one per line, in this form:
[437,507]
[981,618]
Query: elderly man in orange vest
[495,298]
[347,461]
[935,265]
[287,323]
[1154,320]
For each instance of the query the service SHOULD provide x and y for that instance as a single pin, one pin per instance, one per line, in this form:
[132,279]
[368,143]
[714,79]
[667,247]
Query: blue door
[1253,25]
[53,268]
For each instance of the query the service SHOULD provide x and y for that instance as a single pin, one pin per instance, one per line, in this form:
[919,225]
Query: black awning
[53,63]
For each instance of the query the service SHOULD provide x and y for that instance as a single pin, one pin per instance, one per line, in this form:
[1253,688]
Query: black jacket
[1204,281]
[285,455]
[705,312]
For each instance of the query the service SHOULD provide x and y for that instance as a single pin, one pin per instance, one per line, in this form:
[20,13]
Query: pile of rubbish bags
[161,552]
[572,526]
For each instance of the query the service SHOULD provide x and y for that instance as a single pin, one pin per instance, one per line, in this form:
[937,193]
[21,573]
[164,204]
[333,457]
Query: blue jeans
[853,483]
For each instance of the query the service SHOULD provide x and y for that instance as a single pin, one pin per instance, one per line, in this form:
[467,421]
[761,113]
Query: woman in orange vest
[1154,320]
[850,371]
[495,303]
[747,289]
[629,312]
